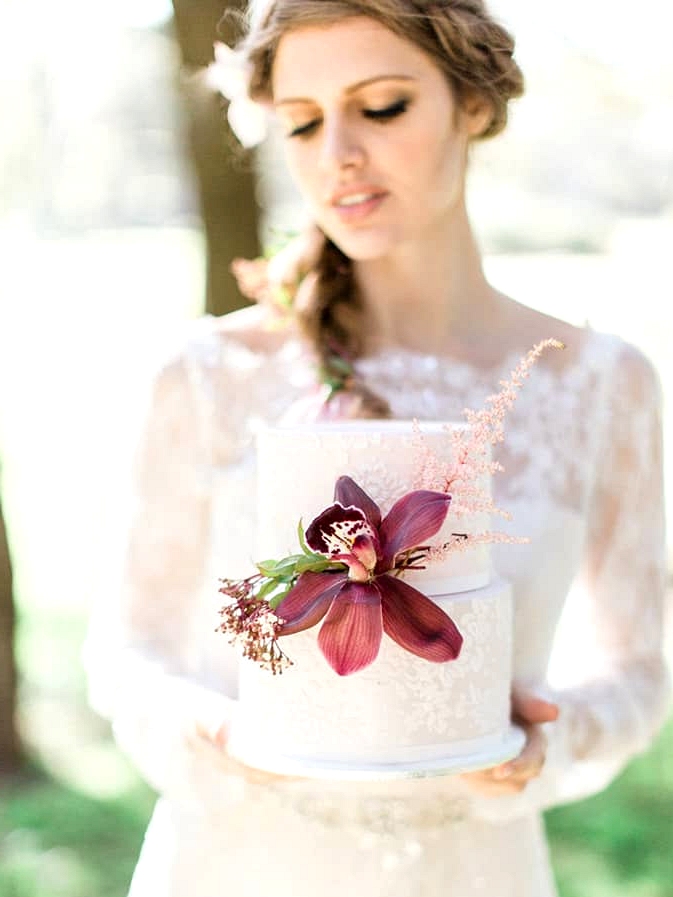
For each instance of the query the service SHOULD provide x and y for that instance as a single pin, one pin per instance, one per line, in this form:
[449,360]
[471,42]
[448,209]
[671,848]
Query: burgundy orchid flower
[365,600]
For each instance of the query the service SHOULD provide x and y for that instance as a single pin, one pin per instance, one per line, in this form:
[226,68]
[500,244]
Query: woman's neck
[430,295]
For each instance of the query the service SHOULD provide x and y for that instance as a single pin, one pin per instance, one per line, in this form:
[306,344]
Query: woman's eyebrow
[349,90]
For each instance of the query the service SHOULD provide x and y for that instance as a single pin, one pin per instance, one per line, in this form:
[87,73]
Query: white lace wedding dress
[582,480]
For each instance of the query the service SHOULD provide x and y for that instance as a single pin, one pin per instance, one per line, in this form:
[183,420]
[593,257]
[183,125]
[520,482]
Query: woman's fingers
[216,736]
[513,776]
[527,707]
[251,774]
[528,765]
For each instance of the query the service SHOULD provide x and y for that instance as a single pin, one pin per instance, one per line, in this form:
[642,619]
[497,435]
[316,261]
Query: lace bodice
[582,480]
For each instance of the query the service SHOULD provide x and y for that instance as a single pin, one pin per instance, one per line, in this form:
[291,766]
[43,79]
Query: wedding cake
[402,715]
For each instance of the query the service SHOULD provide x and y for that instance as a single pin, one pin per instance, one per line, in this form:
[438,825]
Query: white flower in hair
[229,74]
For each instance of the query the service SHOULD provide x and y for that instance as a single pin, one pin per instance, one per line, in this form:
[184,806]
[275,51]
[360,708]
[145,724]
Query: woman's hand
[528,711]
[216,736]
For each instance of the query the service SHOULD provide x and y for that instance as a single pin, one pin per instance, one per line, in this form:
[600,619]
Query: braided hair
[474,52]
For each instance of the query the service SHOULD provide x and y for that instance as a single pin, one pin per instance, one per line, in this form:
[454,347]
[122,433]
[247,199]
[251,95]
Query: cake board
[506,748]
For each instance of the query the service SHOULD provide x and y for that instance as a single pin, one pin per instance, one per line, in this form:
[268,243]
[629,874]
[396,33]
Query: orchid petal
[335,530]
[348,493]
[411,521]
[416,623]
[308,601]
[350,637]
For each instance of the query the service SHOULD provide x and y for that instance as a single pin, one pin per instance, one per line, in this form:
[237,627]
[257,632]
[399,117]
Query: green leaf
[335,387]
[315,564]
[279,240]
[267,588]
[292,565]
[302,538]
[284,297]
[340,365]
[275,601]
[267,568]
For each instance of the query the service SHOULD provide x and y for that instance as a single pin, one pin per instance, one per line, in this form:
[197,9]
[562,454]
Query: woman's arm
[137,650]
[613,685]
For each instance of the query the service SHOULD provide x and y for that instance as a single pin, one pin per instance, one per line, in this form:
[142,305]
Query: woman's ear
[477,114]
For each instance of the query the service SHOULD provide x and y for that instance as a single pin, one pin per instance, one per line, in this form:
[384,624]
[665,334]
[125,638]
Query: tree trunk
[10,747]
[226,183]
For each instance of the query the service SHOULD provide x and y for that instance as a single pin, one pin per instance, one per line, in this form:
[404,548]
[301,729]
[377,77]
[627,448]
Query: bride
[380,102]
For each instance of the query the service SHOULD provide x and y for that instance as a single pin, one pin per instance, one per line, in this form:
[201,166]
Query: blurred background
[112,160]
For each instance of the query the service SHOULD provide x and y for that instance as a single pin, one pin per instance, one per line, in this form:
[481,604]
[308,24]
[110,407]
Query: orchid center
[344,534]
[363,558]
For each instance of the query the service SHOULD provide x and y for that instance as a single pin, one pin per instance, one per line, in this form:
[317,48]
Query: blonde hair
[474,52]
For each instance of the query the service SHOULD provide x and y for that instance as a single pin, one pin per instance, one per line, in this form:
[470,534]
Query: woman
[380,102]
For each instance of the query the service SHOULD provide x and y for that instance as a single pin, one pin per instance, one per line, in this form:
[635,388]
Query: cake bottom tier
[400,716]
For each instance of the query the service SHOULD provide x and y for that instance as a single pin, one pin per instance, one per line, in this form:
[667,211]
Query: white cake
[402,715]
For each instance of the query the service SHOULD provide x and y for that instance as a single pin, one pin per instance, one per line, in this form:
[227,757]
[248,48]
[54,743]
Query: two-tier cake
[402,715]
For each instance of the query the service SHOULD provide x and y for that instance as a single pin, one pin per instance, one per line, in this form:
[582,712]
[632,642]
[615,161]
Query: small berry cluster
[252,625]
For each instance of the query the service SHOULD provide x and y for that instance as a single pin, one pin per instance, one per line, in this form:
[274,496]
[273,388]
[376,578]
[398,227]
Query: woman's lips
[358,205]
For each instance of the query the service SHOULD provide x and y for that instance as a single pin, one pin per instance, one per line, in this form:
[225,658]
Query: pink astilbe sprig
[471,466]
[487,426]
[465,541]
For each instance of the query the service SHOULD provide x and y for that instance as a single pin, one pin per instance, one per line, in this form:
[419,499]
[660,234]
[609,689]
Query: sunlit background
[102,260]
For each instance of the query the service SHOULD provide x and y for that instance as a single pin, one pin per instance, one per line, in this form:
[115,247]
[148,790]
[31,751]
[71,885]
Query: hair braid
[475,54]
[330,316]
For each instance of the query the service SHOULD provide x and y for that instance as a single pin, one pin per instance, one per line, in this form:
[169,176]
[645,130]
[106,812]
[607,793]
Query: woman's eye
[304,130]
[384,114]
[389,112]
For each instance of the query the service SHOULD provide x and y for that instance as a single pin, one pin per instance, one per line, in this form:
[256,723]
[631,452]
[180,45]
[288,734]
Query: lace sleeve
[611,680]
[137,650]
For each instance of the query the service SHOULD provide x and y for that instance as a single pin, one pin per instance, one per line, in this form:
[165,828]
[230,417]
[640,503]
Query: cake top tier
[298,466]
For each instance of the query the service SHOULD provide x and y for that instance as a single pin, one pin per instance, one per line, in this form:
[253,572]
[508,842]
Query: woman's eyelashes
[381,115]
[304,130]
[388,112]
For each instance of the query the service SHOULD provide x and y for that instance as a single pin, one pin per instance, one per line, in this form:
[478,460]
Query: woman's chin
[362,246]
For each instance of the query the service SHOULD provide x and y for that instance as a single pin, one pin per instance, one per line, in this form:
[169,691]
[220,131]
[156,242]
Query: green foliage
[619,842]
[58,842]
[278,577]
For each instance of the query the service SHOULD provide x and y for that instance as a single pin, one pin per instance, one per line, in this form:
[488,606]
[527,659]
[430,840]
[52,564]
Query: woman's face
[375,140]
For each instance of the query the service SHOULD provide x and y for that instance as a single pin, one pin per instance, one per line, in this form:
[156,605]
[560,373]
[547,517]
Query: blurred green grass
[56,841]
[72,827]
[620,842]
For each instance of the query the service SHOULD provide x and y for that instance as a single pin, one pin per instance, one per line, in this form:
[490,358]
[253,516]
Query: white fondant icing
[402,712]
[400,709]
[299,465]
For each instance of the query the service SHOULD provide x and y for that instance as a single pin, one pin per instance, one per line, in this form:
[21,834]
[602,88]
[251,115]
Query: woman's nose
[342,145]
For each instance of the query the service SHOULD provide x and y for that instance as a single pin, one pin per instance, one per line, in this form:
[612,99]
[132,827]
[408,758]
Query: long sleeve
[611,681]
[137,650]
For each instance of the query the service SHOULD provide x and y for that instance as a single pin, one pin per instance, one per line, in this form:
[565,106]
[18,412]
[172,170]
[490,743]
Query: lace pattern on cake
[474,689]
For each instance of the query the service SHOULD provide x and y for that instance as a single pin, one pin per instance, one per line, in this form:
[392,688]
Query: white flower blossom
[229,75]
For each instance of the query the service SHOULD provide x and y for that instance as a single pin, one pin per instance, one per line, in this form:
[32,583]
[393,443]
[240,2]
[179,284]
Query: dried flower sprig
[252,625]
[249,616]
